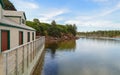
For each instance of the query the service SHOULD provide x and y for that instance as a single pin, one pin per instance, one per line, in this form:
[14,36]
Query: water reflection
[51,47]
[51,66]
[107,40]
[38,69]
[60,46]
[83,57]
[67,45]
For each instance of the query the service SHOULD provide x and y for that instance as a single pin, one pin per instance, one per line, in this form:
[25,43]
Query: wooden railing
[22,59]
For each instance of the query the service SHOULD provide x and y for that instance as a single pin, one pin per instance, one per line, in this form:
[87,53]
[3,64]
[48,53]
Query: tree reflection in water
[51,66]
[68,45]
[52,48]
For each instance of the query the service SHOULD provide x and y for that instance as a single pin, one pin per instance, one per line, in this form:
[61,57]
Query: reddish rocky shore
[55,39]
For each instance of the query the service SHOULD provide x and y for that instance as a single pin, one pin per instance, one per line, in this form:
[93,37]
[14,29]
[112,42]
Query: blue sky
[88,15]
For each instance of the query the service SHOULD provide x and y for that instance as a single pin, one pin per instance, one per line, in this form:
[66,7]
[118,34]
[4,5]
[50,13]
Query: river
[82,57]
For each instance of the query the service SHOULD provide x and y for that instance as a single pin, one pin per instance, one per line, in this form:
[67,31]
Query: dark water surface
[82,57]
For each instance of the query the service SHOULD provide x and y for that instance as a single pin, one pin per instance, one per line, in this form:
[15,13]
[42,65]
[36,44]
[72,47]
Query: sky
[88,15]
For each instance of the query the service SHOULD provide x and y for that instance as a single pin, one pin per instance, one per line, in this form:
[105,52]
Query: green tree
[72,29]
[53,23]
[54,31]
[36,20]
[8,5]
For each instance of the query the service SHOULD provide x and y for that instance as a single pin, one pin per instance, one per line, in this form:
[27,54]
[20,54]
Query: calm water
[83,57]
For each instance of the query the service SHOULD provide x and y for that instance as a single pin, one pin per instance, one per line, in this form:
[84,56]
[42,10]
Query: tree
[36,20]
[54,31]
[72,29]
[8,5]
[53,23]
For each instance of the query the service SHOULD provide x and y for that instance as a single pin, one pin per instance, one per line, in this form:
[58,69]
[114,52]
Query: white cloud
[25,5]
[28,6]
[97,20]
[111,10]
[105,12]
[54,14]
[97,23]
[100,0]
[92,25]
[33,10]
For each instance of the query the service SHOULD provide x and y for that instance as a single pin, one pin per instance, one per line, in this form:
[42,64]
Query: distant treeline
[53,29]
[112,33]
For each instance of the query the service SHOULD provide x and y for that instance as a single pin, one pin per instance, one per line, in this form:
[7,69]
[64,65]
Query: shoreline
[55,39]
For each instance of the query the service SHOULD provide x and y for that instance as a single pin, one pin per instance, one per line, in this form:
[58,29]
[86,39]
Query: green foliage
[36,21]
[62,45]
[33,25]
[67,45]
[53,23]
[8,5]
[53,29]
[40,28]
[72,29]
[62,28]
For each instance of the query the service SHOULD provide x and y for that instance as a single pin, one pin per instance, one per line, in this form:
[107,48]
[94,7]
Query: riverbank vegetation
[53,30]
[111,33]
